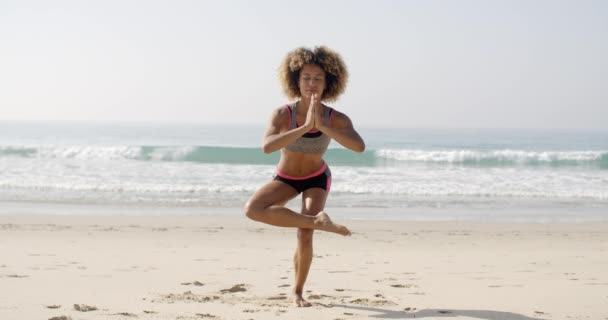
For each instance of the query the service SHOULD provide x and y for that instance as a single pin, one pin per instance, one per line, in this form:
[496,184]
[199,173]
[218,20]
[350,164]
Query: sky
[473,64]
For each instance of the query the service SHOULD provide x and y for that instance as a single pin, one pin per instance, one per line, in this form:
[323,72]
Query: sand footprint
[235,288]
[126,314]
[84,308]
[251,310]
[375,303]
[187,296]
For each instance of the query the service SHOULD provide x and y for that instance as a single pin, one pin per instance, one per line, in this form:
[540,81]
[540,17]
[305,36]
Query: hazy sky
[532,64]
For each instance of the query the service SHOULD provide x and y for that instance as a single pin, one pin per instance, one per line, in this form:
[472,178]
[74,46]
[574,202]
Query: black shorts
[320,179]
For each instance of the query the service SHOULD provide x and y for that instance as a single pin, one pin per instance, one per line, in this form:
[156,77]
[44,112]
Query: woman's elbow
[267,149]
[360,147]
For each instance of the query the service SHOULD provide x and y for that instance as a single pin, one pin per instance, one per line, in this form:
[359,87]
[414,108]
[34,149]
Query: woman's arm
[278,135]
[342,131]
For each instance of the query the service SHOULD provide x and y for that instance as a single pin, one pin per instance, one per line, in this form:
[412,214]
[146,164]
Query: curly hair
[336,74]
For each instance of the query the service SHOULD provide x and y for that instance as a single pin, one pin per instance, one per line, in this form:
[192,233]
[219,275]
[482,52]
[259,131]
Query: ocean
[404,171]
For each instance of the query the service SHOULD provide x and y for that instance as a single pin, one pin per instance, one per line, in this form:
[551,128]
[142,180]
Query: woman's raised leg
[263,206]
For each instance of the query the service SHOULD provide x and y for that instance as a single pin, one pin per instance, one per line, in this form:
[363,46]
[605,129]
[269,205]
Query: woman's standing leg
[313,202]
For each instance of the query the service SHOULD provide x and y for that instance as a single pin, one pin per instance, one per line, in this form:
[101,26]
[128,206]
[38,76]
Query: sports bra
[312,141]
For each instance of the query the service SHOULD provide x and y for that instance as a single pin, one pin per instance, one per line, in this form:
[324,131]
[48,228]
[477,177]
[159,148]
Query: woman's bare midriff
[299,164]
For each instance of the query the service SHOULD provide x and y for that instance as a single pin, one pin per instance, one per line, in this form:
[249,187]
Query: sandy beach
[218,267]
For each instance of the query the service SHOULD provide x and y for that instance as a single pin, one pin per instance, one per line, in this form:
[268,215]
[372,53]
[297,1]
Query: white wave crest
[90,152]
[171,153]
[491,156]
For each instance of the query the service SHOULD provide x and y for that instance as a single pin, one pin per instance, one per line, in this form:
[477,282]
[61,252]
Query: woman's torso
[305,155]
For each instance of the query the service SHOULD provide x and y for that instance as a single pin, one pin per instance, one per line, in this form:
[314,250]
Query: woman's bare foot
[323,222]
[299,301]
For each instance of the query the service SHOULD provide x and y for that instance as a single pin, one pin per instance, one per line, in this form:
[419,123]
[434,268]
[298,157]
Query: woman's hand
[312,119]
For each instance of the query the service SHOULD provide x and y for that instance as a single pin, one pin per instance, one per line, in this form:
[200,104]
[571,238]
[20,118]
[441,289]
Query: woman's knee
[253,210]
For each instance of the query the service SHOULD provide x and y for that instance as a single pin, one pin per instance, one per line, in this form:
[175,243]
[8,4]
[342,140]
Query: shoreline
[539,214]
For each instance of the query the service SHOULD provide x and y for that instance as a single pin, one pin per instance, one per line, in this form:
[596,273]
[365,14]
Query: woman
[302,131]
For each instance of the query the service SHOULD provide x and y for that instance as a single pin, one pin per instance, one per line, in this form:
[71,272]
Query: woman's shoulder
[339,118]
[284,109]
[335,113]
[282,112]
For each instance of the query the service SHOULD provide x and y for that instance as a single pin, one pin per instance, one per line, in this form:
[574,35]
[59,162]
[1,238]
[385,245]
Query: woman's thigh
[273,193]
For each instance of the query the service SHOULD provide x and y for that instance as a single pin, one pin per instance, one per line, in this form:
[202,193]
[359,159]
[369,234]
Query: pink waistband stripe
[314,174]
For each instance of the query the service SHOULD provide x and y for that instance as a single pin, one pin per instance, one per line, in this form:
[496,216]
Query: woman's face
[312,80]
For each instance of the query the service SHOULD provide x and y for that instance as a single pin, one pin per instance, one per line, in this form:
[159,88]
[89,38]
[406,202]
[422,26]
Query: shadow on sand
[439,313]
